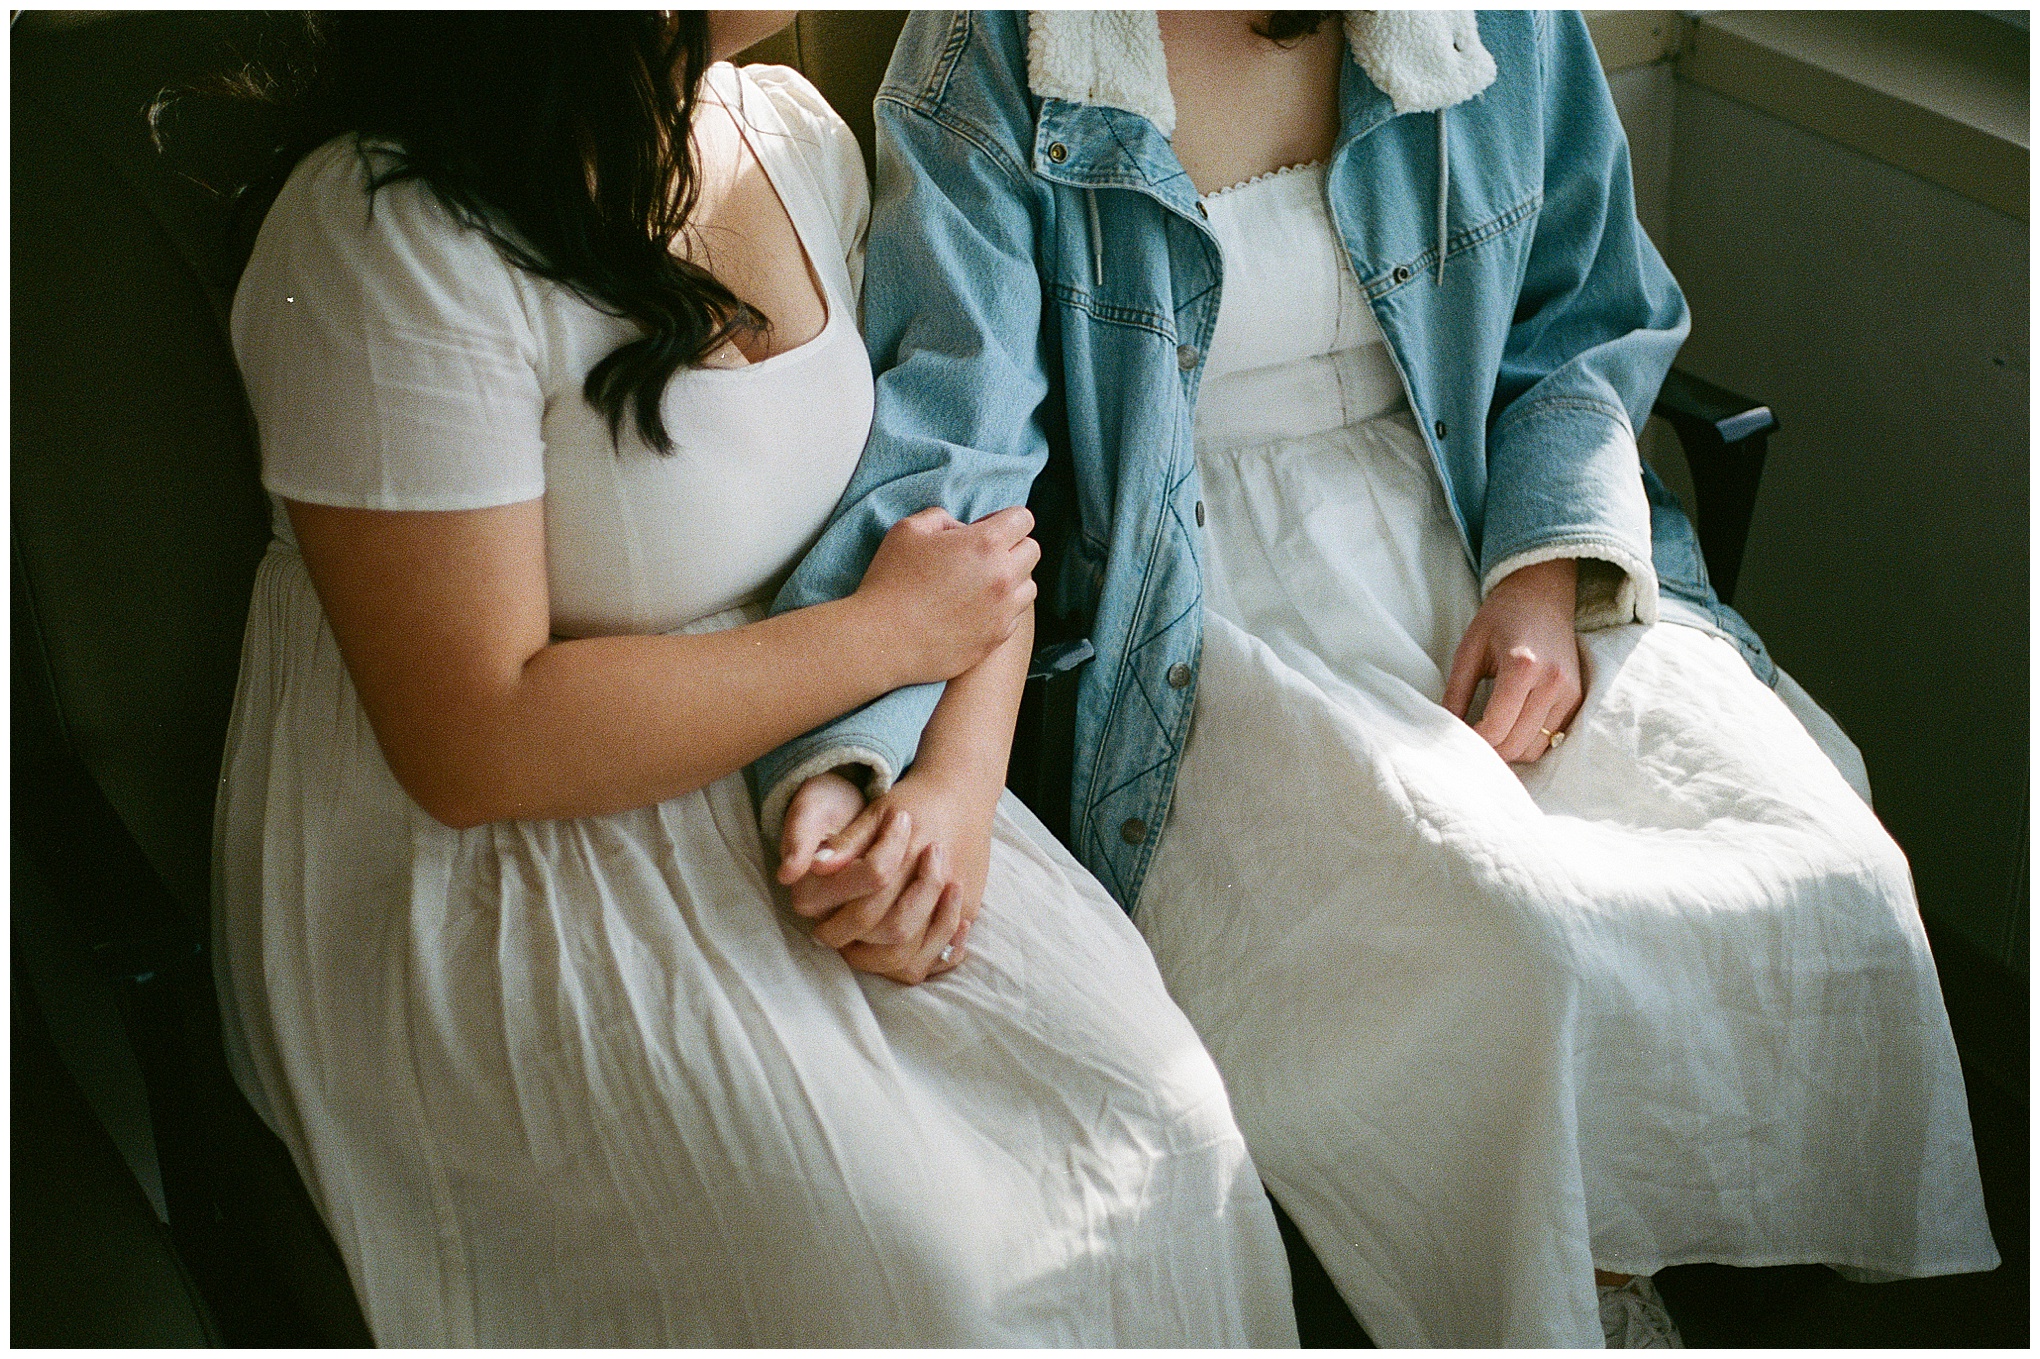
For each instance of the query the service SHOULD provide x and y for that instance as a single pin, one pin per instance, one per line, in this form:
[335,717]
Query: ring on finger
[1556,738]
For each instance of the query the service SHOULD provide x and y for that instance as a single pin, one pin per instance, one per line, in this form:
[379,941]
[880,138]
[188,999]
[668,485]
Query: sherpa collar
[1422,59]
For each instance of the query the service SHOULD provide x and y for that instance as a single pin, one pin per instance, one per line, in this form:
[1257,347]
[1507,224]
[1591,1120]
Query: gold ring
[1557,738]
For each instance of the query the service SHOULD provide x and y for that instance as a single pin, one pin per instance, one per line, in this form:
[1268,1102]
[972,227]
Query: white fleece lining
[1615,588]
[772,809]
[1104,57]
[1422,59]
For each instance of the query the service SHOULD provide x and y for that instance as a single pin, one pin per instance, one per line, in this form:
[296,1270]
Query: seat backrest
[137,518]
[844,52]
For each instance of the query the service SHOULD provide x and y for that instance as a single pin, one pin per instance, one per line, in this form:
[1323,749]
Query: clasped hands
[893,884]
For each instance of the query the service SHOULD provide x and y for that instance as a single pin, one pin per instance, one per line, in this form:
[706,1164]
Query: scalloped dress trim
[1277,173]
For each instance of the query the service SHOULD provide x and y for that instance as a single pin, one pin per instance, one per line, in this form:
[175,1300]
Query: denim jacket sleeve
[1597,322]
[952,317]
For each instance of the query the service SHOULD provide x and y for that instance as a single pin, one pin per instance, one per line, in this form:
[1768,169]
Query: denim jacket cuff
[1616,586]
[883,736]
[774,800]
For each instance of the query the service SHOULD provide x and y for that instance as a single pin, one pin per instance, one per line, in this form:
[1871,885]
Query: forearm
[604,724]
[970,736]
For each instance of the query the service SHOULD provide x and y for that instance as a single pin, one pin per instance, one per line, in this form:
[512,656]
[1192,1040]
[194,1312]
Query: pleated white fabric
[1661,997]
[586,1082]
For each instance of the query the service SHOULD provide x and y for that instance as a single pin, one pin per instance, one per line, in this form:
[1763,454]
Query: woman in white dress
[1541,942]
[550,338]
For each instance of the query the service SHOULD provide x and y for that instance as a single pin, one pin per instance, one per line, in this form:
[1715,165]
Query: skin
[1244,106]
[443,620]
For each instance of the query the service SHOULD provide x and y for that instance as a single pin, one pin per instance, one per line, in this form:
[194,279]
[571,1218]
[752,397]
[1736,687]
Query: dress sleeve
[830,151]
[388,359]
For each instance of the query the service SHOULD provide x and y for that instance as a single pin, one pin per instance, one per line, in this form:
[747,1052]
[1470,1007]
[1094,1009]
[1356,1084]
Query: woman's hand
[1523,638]
[946,594]
[820,807]
[926,911]
[903,880]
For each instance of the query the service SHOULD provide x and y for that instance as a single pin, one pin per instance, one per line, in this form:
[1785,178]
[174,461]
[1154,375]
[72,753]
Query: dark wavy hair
[562,137]
[1285,26]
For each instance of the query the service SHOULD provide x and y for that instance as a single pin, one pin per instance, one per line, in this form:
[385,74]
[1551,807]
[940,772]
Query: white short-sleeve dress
[1661,997]
[585,1081]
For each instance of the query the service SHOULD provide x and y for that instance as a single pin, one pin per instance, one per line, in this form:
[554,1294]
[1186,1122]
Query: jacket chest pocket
[1121,258]
[1387,187]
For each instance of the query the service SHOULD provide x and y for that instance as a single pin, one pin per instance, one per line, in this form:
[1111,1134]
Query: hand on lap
[1523,639]
[890,886]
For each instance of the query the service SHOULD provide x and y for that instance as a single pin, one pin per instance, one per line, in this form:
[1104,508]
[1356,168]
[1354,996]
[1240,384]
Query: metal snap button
[1133,831]
[1402,273]
[1439,428]
[1179,675]
[1186,357]
[1058,153]
[1201,212]
[1200,514]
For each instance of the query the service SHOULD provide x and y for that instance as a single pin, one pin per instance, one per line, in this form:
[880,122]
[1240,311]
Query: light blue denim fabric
[1009,338]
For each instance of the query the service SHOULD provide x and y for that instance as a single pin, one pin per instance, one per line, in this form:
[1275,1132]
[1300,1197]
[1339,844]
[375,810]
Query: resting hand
[821,807]
[825,850]
[903,881]
[945,594]
[1523,639]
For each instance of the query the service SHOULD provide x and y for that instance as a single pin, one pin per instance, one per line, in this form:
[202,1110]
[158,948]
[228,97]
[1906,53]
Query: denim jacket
[1041,285]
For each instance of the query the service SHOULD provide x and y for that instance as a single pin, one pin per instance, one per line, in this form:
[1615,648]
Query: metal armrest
[1723,436]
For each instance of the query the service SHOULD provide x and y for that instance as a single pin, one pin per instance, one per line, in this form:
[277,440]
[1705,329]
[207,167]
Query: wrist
[1554,569]
[961,782]
[1555,581]
[878,646]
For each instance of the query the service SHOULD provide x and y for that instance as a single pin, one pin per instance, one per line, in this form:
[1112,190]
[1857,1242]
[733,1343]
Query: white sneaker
[1633,1317]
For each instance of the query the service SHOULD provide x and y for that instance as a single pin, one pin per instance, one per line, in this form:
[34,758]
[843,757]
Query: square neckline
[738,107]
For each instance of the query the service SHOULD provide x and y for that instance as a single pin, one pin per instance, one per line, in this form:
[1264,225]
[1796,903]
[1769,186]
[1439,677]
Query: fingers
[921,957]
[1550,707]
[934,517]
[846,844]
[1516,678]
[900,929]
[945,934]
[895,941]
[880,872]
[1009,527]
[872,867]
[797,841]
[812,817]
[1527,740]
[1469,668]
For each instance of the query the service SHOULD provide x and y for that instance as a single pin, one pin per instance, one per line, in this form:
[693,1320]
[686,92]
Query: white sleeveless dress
[587,1082]
[1661,997]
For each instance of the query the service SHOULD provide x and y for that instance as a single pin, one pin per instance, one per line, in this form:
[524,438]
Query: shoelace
[1633,1317]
